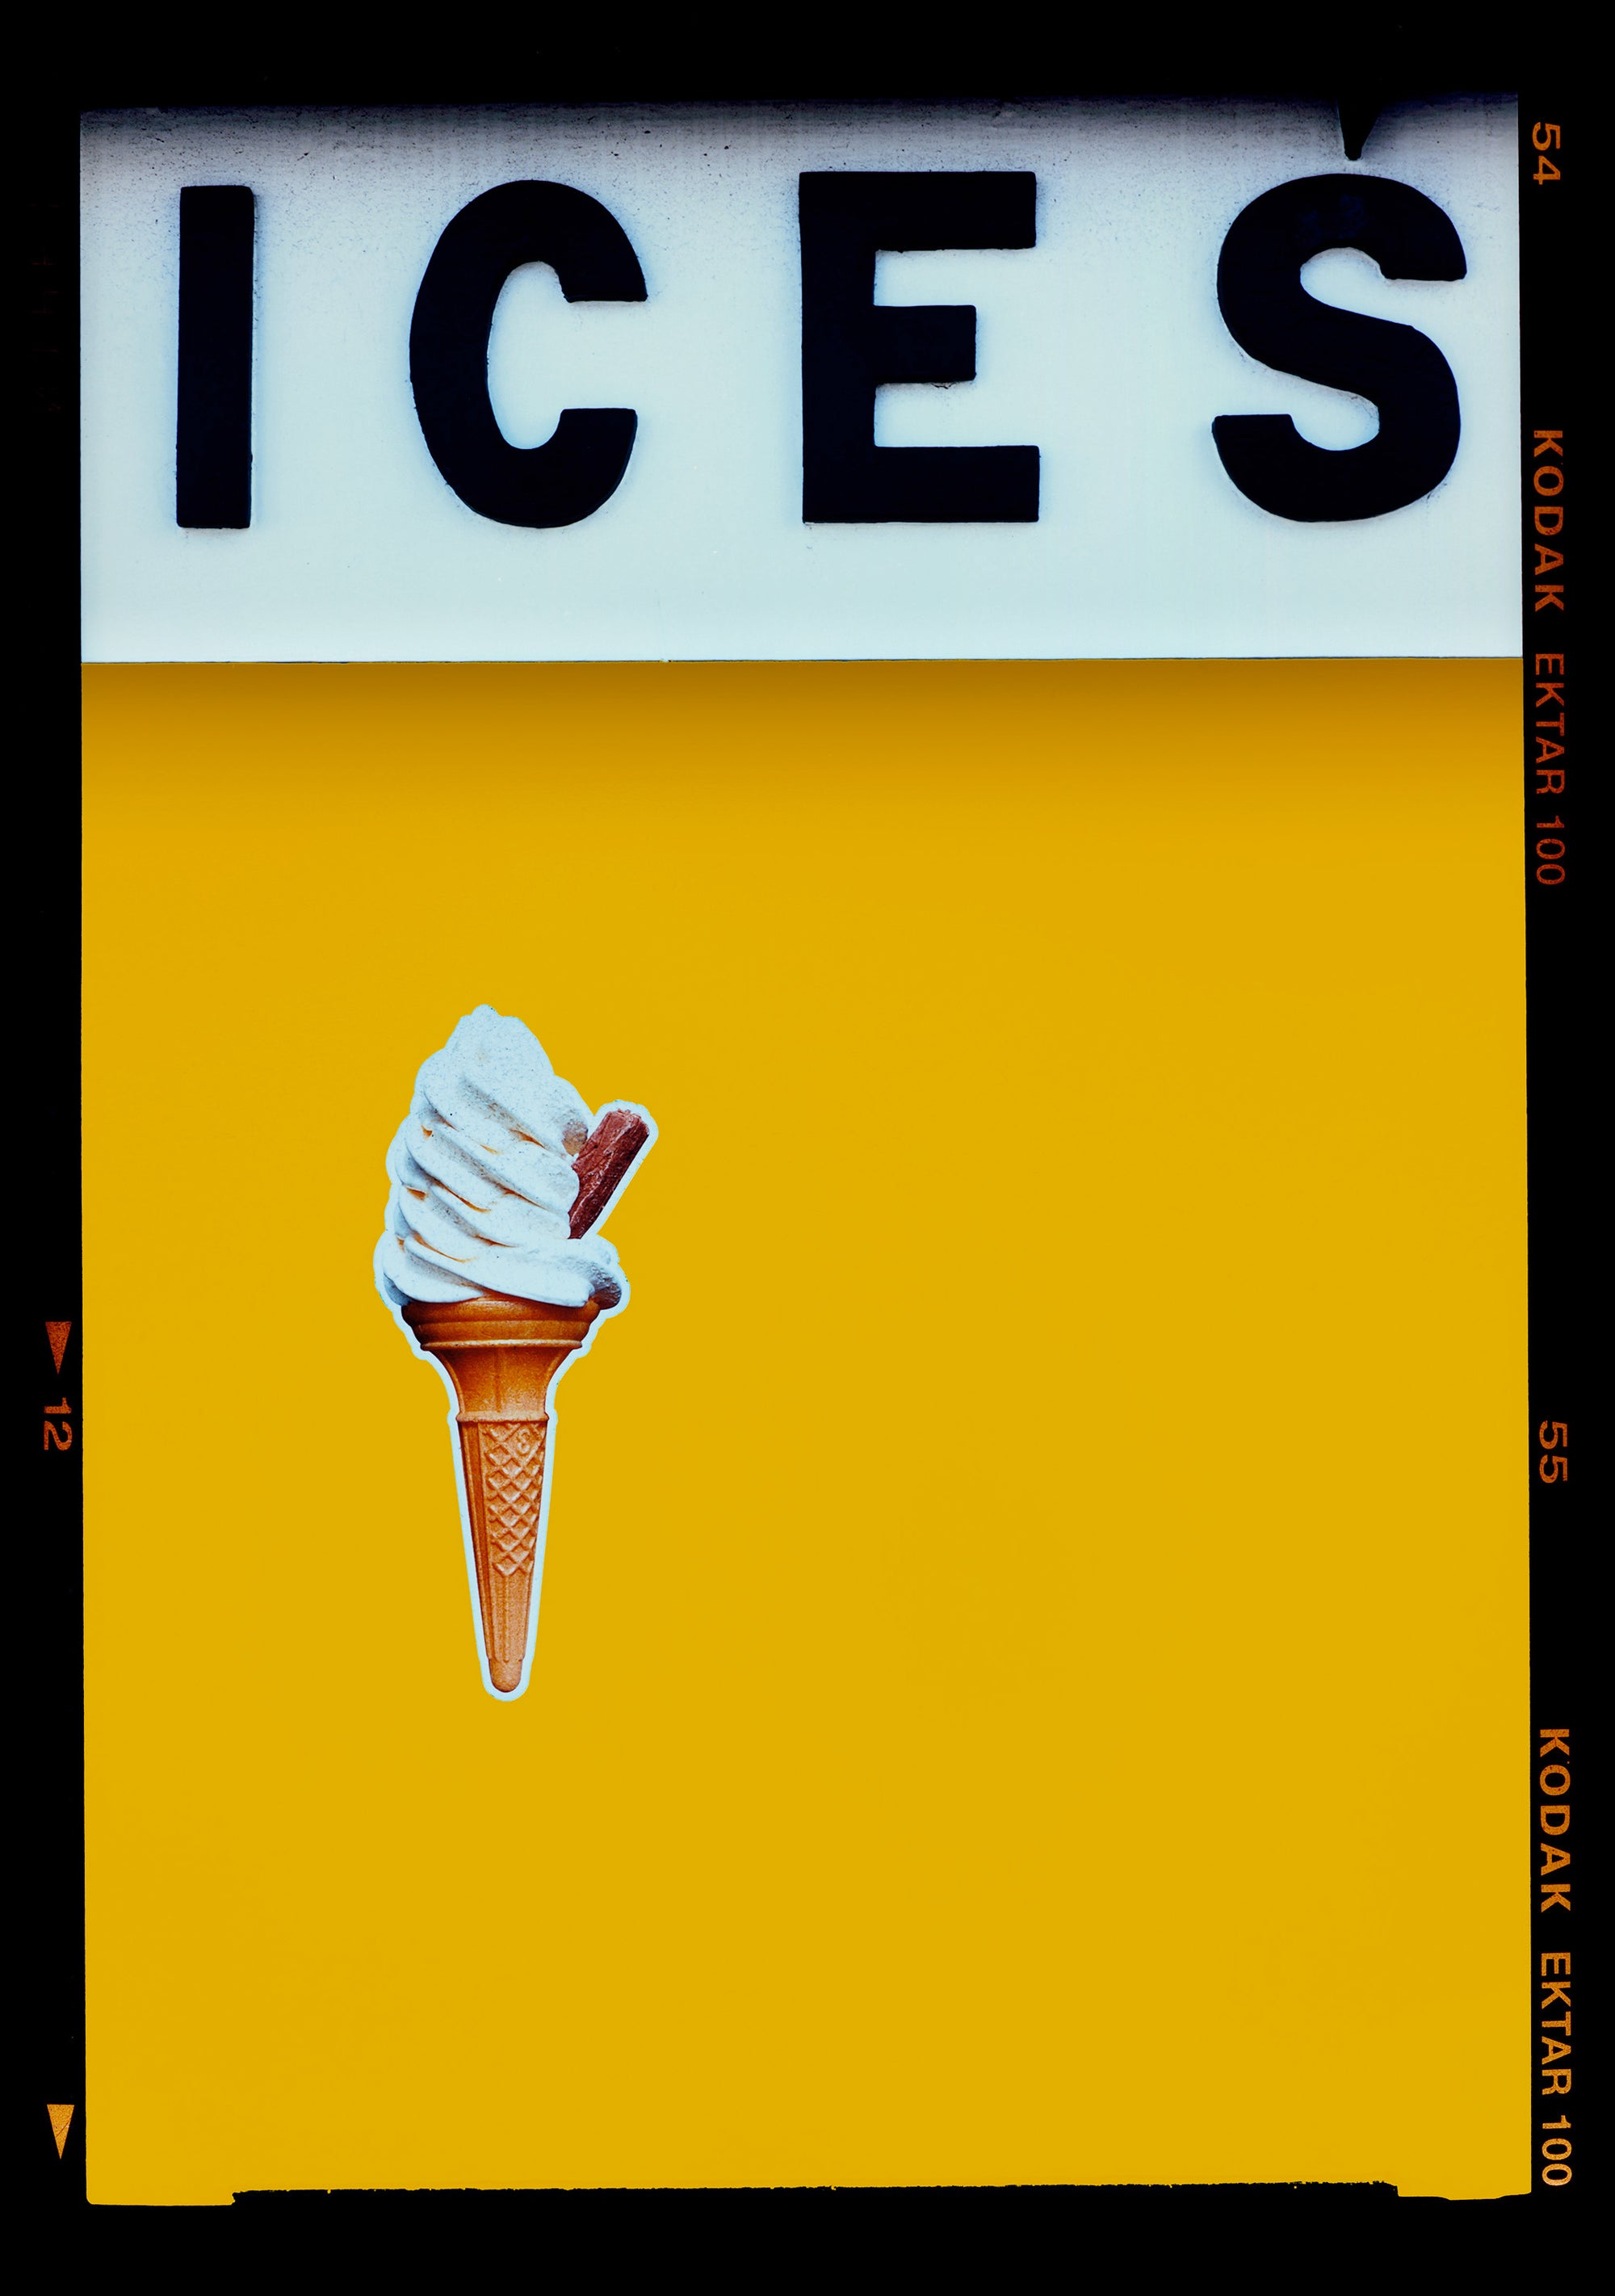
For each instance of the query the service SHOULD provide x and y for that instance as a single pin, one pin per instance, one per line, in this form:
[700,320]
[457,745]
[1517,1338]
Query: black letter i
[213,438]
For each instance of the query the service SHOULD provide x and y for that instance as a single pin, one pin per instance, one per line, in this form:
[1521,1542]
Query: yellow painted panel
[1032,1660]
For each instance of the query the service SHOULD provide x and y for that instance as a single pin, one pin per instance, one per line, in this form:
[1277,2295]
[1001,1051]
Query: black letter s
[581,466]
[1270,315]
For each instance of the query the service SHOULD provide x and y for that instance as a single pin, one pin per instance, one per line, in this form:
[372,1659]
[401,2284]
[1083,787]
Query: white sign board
[1102,344]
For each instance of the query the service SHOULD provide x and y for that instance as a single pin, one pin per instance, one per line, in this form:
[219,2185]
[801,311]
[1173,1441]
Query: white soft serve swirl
[482,1179]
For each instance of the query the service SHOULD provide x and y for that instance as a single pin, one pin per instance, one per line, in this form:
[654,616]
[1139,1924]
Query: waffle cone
[502,1355]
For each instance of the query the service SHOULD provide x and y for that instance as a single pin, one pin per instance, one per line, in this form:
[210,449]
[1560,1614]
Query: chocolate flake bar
[602,1161]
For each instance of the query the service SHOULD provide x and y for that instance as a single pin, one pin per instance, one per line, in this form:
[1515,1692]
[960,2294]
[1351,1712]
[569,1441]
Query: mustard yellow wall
[1031,1673]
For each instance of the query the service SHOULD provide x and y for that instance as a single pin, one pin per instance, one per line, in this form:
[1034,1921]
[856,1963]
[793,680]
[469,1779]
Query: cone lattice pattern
[511,1466]
[502,1355]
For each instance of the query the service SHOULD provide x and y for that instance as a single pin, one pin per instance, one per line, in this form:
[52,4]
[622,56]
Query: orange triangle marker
[57,1334]
[61,2115]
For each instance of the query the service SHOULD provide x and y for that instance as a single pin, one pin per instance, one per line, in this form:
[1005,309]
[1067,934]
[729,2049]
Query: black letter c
[581,466]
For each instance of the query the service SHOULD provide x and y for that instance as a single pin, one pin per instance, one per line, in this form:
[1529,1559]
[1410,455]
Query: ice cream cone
[502,1354]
